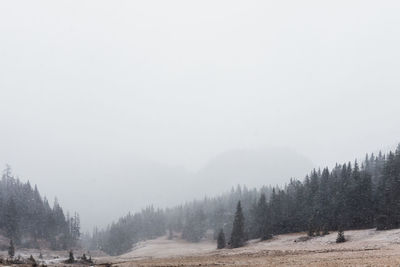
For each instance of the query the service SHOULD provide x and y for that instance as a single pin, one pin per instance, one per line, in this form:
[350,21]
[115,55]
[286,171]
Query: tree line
[28,219]
[352,195]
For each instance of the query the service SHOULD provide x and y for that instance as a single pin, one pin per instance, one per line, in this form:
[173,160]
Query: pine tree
[11,249]
[11,220]
[349,196]
[32,260]
[195,226]
[71,258]
[221,240]
[340,237]
[263,224]
[237,236]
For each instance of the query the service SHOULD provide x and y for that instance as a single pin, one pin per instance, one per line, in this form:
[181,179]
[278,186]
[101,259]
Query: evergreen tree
[12,220]
[71,258]
[350,196]
[340,237]
[26,217]
[221,240]
[32,260]
[195,226]
[11,249]
[238,235]
[262,223]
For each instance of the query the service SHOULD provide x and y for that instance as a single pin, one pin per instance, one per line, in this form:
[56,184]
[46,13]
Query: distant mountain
[252,167]
[119,184]
[357,195]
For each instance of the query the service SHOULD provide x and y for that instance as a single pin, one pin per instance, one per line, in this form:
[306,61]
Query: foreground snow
[162,247]
[364,247]
[356,239]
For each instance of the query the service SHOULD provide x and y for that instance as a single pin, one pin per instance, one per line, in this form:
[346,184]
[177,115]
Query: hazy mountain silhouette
[252,167]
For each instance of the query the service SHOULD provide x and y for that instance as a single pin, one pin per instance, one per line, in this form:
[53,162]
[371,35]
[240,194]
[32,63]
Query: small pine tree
[340,237]
[71,258]
[237,236]
[11,249]
[221,240]
[32,259]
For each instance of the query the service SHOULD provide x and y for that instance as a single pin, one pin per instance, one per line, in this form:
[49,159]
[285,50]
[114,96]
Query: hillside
[363,248]
[29,221]
[350,196]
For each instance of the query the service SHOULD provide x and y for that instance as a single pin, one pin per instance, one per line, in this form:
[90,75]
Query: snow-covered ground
[162,247]
[363,246]
[50,257]
[357,239]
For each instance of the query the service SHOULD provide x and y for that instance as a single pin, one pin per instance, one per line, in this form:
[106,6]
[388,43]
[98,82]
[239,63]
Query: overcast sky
[83,83]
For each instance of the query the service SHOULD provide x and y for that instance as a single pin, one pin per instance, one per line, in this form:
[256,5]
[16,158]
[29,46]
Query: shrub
[340,237]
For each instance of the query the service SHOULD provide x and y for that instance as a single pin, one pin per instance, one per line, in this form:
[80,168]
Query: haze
[112,105]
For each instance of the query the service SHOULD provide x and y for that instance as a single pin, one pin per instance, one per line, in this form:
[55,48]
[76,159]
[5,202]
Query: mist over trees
[191,220]
[350,196]
[28,219]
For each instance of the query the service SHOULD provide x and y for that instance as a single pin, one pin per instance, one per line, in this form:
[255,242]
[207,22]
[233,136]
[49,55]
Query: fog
[114,105]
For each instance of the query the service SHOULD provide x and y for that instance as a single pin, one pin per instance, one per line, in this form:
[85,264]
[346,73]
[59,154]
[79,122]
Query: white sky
[178,82]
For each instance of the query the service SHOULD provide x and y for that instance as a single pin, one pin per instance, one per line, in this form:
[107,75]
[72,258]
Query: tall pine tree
[238,235]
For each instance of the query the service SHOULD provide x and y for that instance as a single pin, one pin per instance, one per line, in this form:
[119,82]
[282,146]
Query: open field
[363,248]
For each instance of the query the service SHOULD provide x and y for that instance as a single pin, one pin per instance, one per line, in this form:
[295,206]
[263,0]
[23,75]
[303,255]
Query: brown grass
[367,257]
[363,248]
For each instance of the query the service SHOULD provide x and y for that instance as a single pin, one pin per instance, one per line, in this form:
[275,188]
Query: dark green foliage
[311,229]
[215,213]
[221,243]
[351,195]
[71,258]
[325,230]
[32,260]
[25,215]
[85,259]
[195,226]
[382,222]
[238,235]
[11,249]
[340,237]
[120,236]
[12,220]
[260,219]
